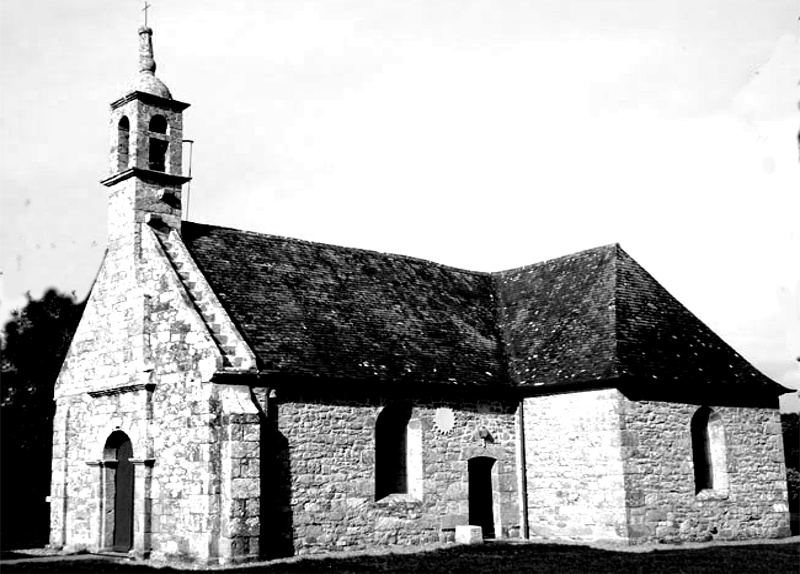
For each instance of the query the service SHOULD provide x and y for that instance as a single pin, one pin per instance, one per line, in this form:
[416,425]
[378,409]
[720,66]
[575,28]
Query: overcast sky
[481,134]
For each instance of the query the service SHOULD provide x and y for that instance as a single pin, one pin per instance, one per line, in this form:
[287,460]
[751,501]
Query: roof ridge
[598,249]
[342,247]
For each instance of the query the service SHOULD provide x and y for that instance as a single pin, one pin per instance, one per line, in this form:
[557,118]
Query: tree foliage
[34,343]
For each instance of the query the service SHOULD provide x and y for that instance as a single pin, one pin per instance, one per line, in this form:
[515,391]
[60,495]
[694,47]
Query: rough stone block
[451,521]
[250,468]
[469,534]
[245,450]
[245,487]
[251,432]
[655,516]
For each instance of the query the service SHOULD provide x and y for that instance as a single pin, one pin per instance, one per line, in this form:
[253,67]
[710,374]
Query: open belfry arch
[230,395]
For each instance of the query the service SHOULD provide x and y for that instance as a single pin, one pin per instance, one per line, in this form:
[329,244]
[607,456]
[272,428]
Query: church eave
[321,387]
[147,175]
[701,393]
[151,99]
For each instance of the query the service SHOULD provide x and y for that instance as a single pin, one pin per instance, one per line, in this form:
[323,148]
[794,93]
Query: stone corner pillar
[97,526]
[142,504]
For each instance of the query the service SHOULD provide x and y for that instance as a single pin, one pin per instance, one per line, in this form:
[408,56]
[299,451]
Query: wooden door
[123,498]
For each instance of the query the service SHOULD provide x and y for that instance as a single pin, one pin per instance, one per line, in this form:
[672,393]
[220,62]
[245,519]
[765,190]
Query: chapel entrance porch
[123,497]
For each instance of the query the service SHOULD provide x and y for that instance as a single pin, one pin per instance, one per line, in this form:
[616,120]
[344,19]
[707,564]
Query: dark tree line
[34,343]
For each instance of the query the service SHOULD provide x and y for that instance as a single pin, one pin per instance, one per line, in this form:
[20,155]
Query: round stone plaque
[444,420]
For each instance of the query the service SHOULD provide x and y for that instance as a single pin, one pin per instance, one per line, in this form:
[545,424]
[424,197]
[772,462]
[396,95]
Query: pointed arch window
[709,451]
[123,143]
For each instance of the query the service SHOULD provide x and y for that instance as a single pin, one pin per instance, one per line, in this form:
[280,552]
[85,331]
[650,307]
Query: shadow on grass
[495,558]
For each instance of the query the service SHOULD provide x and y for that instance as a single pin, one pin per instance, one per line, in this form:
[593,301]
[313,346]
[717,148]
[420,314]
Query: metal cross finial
[146,6]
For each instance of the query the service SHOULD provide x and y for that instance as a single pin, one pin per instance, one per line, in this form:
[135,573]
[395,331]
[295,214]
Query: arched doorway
[118,452]
[481,502]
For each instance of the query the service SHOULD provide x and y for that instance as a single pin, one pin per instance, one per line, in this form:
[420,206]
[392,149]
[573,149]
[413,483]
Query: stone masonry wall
[319,475]
[574,468]
[139,329]
[659,475]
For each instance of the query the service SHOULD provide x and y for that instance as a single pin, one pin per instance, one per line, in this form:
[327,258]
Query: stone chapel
[231,395]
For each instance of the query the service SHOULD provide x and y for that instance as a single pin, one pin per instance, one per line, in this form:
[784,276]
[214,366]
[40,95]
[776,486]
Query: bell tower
[145,156]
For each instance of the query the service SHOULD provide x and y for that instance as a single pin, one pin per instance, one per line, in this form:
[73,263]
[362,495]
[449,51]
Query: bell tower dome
[145,156]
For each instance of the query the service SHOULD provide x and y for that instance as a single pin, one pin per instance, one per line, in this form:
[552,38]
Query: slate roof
[661,341]
[322,310]
[598,316]
[557,319]
[593,318]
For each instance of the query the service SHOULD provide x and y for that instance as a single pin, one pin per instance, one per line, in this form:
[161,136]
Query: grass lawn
[767,558]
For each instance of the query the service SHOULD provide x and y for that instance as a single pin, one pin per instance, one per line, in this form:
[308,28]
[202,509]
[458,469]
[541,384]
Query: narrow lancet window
[709,451]
[391,464]
[123,143]
[398,453]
